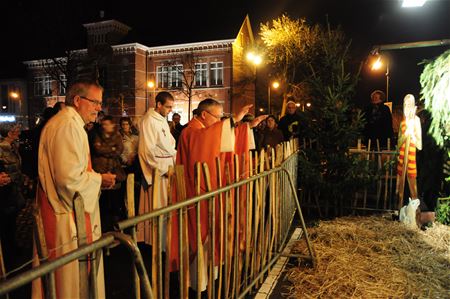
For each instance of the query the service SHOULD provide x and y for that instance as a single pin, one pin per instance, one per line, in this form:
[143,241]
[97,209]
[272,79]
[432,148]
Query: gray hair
[80,88]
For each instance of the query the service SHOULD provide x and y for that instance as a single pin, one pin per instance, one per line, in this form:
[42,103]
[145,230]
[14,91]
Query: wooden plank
[222,224]
[156,263]
[200,252]
[170,178]
[80,222]
[183,234]
[228,233]
[212,232]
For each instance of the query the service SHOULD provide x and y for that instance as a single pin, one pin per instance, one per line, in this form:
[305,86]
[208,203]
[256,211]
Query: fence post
[80,222]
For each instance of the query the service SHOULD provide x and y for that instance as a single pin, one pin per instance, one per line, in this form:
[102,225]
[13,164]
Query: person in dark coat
[271,135]
[12,198]
[176,128]
[378,120]
[290,123]
[106,150]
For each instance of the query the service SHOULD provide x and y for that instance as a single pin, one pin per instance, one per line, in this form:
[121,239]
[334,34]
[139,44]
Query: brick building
[133,73]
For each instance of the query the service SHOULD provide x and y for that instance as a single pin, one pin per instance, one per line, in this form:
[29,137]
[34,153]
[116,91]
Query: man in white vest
[156,151]
[65,168]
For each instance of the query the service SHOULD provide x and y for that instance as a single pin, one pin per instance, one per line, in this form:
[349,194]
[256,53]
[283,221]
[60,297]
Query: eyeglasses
[215,116]
[95,102]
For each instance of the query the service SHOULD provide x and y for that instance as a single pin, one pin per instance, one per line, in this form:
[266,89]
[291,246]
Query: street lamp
[413,3]
[14,95]
[274,85]
[256,60]
[151,85]
[378,64]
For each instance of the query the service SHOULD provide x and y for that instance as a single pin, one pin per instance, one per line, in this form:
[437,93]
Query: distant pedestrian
[290,123]
[271,135]
[378,120]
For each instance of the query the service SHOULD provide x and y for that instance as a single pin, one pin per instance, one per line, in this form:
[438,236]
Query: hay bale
[374,257]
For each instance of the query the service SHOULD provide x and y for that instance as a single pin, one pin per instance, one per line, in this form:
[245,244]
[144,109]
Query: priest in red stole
[205,138]
[64,169]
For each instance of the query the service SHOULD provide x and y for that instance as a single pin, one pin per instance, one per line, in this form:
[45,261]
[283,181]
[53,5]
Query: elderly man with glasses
[65,168]
[210,135]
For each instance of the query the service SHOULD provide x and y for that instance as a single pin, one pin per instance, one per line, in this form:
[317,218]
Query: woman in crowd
[271,135]
[130,141]
[130,160]
[12,198]
[106,153]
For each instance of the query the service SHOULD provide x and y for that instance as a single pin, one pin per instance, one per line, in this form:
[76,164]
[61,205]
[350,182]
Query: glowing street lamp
[274,85]
[378,64]
[413,3]
[308,105]
[151,84]
[14,95]
[256,59]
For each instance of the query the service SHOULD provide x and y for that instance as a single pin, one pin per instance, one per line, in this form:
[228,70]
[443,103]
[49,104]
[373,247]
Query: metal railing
[256,214]
[250,220]
[81,252]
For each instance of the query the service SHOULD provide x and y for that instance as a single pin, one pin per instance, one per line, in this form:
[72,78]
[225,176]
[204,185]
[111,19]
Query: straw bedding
[373,257]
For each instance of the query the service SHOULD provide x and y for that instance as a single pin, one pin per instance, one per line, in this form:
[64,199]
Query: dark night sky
[41,28]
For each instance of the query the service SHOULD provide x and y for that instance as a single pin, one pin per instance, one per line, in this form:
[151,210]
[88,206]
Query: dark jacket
[290,126]
[270,138]
[378,124]
[12,199]
[106,155]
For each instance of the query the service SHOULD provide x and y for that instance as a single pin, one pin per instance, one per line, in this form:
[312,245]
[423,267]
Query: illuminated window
[162,76]
[216,70]
[42,86]
[201,74]
[62,84]
[175,76]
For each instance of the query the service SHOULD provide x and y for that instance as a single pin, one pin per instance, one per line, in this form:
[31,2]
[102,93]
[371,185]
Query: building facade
[132,74]
[13,100]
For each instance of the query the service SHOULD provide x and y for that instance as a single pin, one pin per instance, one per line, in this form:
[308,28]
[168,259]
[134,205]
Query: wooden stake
[156,263]
[222,224]
[170,175]
[200,252]
[80,222]
[183,233]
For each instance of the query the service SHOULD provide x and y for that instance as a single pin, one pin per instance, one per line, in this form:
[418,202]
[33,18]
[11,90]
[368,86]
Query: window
[162,76]
[42,86]
[62,84]
[201,74]
[216,70]
[47,85]
[37,86]
[176,73]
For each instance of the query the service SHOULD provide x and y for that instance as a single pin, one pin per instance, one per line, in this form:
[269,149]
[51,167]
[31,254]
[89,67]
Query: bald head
[209,111]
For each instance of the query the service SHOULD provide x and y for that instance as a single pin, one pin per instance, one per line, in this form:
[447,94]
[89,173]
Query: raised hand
[240,115]
[257,120]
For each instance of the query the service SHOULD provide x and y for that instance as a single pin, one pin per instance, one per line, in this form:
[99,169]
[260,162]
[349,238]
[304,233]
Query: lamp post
[378,64]
[16,96]
[256,60]
[274,85]
[151,85]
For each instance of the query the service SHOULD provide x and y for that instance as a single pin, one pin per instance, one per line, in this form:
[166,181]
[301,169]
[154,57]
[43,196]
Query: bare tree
[188,72]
